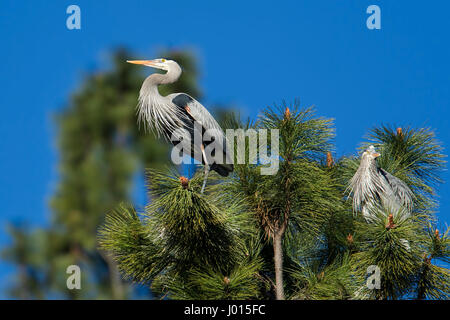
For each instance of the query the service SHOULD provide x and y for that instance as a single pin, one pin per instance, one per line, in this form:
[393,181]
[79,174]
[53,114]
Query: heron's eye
[163,60]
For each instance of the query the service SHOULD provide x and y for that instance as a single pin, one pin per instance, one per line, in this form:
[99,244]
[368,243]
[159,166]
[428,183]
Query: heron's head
[161,63]
[370,154]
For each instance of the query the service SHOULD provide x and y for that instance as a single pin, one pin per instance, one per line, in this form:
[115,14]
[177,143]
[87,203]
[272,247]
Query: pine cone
[350,239]
[391,224]
[399,132]
[226,280]
[287,113]
[330,160]
[184,182]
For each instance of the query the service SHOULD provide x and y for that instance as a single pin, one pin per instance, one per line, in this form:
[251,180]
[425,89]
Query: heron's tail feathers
[222,169]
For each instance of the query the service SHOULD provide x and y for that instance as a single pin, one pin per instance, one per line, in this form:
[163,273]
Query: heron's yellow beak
[375,155]
[148,63]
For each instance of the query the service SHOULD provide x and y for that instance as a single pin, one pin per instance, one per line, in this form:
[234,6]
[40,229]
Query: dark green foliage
[433,281]
[303,139]
[188,244]
[240,284]
[221,245]
[125,236]
[406,267]
[314,282]
[194,230]
[395,251]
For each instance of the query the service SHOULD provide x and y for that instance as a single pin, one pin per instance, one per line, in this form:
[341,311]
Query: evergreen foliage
[293,234]
[189,248]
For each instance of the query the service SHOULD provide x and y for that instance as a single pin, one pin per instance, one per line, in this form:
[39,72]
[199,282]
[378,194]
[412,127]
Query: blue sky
[251,55]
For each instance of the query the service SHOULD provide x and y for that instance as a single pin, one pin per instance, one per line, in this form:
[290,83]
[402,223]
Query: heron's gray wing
[213,139]
[216,151]
[196,110]
[401,191]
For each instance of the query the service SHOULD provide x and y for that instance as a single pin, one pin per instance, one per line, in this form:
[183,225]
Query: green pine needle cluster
[188,245]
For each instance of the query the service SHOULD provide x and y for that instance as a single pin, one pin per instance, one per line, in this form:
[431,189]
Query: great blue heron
[168,114]
[374,187]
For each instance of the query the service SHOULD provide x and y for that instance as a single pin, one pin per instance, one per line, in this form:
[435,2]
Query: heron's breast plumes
[366,185]
[155,113]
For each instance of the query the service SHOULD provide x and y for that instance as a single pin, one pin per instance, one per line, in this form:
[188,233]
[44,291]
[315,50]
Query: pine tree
[290,235]
[415,156]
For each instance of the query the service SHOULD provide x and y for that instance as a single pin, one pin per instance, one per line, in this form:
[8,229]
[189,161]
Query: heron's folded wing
[195,110]
[202,115]
[400,189]
[212,132]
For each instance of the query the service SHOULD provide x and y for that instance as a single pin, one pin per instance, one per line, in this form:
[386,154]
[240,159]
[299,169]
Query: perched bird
[168,114]
[374,187]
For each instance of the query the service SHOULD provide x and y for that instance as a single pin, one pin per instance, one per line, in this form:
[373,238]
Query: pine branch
[125,237]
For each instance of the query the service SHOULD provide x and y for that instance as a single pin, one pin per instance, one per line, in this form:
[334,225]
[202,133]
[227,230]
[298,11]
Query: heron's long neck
[150,85]
[369,166]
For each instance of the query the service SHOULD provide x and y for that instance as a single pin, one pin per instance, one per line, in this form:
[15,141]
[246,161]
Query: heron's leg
[206,169]
[205,178]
